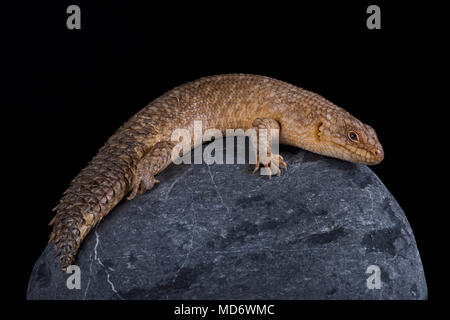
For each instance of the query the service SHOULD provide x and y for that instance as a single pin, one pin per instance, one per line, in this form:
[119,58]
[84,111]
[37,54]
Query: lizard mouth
[369,158]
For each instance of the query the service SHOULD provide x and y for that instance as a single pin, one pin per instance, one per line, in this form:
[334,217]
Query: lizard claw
[136,185]
[258,163]
[281,161]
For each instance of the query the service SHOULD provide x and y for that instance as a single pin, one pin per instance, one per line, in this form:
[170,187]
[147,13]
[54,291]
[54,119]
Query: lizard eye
[353,136]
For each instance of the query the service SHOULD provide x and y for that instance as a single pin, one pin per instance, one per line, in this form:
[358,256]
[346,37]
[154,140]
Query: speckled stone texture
[220,232]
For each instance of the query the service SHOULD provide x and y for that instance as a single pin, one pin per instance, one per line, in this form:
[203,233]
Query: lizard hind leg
[153,162]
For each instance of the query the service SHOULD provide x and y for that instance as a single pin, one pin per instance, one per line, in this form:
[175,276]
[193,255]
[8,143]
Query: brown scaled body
[141,148]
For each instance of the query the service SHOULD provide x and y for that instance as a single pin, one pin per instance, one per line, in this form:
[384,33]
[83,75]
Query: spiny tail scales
[97,189]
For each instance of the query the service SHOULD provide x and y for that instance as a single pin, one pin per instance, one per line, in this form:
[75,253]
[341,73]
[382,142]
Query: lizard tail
[91,195]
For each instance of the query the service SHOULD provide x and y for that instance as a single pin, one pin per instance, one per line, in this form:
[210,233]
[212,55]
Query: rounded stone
[324,229]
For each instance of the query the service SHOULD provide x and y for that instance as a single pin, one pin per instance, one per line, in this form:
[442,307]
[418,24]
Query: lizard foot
[153,162]
[141,184]
[272,162]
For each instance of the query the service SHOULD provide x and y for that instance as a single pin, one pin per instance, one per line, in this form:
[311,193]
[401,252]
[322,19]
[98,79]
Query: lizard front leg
[153,162]
[267,130]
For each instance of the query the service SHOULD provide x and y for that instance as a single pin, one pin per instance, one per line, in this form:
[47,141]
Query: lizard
[141,148]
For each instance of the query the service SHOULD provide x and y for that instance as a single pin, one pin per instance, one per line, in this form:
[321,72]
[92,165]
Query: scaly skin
[141,147]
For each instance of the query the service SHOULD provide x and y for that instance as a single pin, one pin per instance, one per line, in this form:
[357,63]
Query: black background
[67,91]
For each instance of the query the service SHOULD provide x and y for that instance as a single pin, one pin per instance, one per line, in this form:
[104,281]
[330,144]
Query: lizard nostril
[378,153]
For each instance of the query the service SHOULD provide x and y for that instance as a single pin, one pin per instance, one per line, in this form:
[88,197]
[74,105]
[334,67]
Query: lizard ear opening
[318,130]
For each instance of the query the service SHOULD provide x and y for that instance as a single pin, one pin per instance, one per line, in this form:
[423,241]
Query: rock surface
[220,232]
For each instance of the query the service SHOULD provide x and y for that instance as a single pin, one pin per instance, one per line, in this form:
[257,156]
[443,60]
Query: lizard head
[345,137]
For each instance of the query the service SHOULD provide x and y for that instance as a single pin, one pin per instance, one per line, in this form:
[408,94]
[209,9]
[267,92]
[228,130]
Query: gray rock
[220,232]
